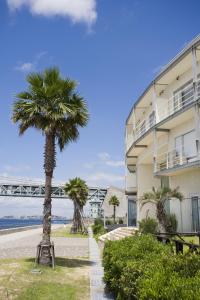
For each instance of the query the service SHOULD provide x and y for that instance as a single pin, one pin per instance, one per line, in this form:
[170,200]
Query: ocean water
[14,223]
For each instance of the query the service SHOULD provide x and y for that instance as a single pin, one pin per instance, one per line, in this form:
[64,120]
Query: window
[195,213]
[151,119]
[183,96]
[186,145]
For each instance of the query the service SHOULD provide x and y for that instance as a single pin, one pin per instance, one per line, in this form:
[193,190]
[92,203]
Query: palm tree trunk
[77,219]
[49,165]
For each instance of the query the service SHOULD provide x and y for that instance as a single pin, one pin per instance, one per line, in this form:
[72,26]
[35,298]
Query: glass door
[195,213]
[132,212]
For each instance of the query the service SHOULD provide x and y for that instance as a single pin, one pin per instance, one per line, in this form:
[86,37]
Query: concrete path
[23,244]
[97,287]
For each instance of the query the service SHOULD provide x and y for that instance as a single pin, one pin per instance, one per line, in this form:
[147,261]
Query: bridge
[23,187]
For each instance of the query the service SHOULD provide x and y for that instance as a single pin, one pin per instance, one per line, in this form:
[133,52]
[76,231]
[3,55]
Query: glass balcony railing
[172,159]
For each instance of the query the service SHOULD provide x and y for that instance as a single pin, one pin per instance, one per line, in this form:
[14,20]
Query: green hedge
[141,268]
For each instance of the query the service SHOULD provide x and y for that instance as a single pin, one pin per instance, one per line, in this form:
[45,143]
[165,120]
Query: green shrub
[118,254]
[121,221]
[98,221]
[139,267]
[148,225]
[98,228]
[171,278]
[171,223]
[109,222]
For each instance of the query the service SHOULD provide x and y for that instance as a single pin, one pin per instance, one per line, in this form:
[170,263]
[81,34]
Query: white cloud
[25,67]
[30,66]
[103,178]
[76,10]
[115,163]
[16,169]
[105,157]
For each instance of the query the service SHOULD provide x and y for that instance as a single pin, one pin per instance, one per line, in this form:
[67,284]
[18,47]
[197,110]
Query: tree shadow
[67,262]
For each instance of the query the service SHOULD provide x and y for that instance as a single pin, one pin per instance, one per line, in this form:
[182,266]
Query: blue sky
[112,48]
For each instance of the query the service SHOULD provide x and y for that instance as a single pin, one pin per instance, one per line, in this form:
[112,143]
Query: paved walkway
[23,244]
[96,276]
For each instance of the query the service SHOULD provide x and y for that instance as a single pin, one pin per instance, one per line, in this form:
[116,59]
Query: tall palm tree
[77,190]
[158,198]
[51,105]
[115,202]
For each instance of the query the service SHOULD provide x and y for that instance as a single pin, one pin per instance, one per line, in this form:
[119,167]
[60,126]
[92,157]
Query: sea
[14,223]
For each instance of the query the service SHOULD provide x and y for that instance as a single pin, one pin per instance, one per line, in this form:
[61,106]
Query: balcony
[175,159]
[144,125]
[180,100]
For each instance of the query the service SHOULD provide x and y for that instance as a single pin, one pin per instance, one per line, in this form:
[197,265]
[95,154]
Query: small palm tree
[52,106]
[77,190]
[115,202]
[158,198]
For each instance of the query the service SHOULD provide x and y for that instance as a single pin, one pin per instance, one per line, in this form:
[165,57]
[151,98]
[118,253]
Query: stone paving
[97,287]
[23,244]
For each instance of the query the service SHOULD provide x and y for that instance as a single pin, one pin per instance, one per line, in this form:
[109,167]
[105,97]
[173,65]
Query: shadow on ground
[67,262]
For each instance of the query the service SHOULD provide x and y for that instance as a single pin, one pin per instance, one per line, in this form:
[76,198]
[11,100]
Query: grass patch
[69,280]
[65,232]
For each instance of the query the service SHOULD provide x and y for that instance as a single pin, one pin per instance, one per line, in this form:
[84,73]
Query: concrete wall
[188,183]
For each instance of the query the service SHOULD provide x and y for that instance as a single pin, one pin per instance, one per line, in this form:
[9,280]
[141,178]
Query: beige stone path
[23,244]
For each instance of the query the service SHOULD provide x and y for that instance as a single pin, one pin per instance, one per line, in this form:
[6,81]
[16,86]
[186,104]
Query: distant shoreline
[24,228]
[12,224]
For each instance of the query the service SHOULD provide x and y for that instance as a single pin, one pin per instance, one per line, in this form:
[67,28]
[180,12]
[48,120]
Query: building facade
[121,210]
[163,140]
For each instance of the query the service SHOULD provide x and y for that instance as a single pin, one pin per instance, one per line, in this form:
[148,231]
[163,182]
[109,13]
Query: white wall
[189,185]
[145,182]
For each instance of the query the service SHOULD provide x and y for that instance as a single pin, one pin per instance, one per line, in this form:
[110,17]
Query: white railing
[179,100]
[172,159]
[129,141]
[144,125]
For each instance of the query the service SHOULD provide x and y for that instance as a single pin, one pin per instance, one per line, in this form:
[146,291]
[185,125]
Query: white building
[163,140]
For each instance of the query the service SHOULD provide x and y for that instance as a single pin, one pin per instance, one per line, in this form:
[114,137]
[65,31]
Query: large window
[186,145]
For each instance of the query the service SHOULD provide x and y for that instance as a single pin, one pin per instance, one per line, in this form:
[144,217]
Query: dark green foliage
[77,190]
[121,221]
[171,223]
[109,222]
[98,221]
[139,267]
[148,225]
[159,197]
[98,227]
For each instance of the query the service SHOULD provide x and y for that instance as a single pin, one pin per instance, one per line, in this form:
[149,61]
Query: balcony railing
[172,159]
[180,100]
[144,125]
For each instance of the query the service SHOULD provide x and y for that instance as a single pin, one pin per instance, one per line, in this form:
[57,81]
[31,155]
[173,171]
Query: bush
[171,223]
[121,221]
[139,267]
[118,254]
[109,222]
[98,221]
[98,227]
[148,225]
